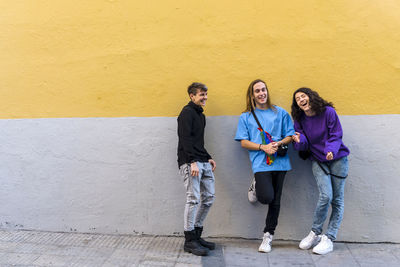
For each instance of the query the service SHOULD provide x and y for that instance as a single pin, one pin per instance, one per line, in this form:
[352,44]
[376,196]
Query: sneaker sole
[322,253]
[318,253]
[312,246]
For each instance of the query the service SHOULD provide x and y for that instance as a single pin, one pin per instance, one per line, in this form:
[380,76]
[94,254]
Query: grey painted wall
[119,175]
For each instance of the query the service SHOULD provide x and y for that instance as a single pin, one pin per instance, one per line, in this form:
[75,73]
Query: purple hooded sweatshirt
[324,134]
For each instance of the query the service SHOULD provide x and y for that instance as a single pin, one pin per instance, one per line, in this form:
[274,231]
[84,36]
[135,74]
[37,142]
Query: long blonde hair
[250,103]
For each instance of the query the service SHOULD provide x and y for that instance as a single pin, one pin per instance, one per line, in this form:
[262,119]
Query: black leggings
[269,191]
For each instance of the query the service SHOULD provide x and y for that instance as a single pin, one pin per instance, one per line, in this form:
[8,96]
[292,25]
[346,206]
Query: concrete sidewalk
[33,248]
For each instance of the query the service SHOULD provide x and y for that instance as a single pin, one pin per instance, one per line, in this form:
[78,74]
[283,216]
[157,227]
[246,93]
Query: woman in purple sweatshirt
[318,131]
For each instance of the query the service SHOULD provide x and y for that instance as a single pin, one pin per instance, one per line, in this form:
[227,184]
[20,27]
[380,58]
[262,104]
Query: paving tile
[290,261]
[380,263]
[163,248]
[15,235]
[38,237]
[334,259]
[54,260]
[125,257]
[6,236]
[239,242]
[287,253]
[123,253]
[88,262]
[215,257]
[110,241]
[373,255]
[120,262]
[156,263]
[9,246]
[287,249]
[190,265]
[213,261]
[395,249]
[18,258]
[236,256]
[135,242]
[63,250]
[340,256]
[188,258]
[377,264]
[37,248]
[74,239]
[90,252]
[166,244]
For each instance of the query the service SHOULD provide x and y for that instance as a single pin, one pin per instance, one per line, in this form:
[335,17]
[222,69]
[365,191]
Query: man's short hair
[192,89]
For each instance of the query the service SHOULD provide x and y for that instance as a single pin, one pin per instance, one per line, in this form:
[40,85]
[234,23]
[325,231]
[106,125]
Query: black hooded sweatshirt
[191,124]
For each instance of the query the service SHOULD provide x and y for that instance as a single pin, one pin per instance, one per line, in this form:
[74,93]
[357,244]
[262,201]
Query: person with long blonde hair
[264,141]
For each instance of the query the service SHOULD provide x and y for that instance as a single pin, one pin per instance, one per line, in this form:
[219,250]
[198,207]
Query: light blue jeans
[200,194]
[331,192]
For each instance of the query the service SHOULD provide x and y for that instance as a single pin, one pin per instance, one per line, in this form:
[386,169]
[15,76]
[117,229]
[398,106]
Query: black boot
[192,244]
[209,245]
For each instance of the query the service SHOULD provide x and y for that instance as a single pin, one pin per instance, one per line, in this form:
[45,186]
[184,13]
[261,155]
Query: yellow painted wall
[69,58]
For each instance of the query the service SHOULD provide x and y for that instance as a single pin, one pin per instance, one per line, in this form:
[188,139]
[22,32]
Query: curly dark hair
[317,103]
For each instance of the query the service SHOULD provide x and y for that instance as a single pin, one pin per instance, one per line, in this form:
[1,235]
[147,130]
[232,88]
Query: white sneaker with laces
[309,241]
[251,194]
[324,246]
[266,243]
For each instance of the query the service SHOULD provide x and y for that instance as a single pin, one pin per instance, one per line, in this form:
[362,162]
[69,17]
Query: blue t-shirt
[278,124]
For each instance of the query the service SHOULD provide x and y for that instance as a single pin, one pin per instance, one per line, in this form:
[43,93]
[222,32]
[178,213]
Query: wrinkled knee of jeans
[324,198]
[192,202]
[208,201]
[192,199]
[338,202]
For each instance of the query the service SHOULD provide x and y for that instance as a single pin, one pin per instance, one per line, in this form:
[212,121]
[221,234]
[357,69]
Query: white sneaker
[266,243]
[309,241]
[251,194]
[324,246]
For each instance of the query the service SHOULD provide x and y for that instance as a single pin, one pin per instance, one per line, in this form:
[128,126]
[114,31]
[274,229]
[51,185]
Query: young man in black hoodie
[196,167]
